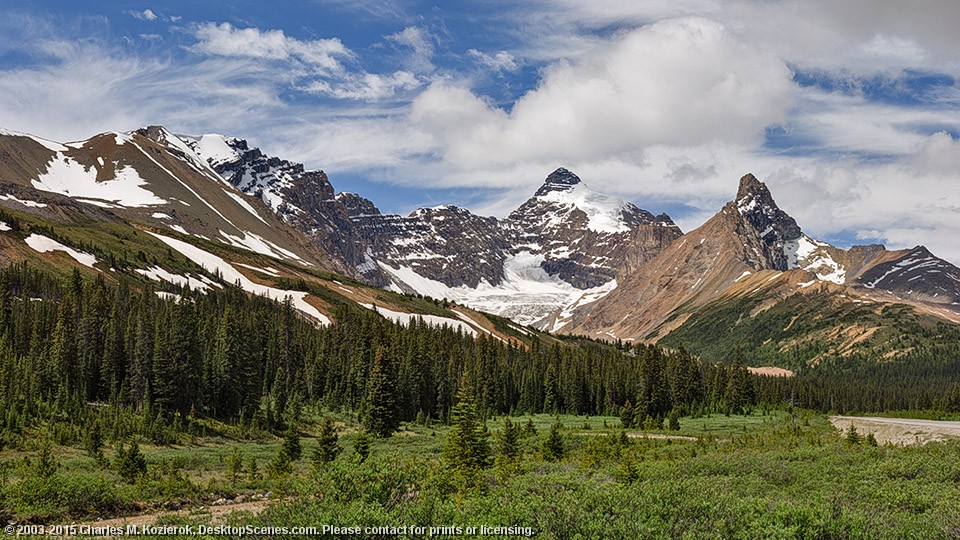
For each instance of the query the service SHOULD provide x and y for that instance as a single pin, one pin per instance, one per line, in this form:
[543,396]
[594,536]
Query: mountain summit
[559,180]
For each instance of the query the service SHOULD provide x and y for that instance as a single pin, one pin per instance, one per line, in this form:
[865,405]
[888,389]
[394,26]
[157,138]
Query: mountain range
[211,211]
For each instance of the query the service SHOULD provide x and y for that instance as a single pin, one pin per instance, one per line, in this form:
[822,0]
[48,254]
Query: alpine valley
[207,211]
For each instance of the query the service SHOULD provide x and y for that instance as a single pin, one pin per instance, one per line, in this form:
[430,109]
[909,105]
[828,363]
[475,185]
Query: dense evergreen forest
[81,351]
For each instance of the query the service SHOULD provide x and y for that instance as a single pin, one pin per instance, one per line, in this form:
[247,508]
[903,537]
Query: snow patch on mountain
[433,320]
[246,206]
[157,273]
[67,177]
[259,244]
[230,274]
[49,145]
[811,255]
[28,203]
[43,244]
[604,213]
[213,149]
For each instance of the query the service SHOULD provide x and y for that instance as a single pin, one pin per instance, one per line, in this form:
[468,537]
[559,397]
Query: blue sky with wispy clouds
[850,111]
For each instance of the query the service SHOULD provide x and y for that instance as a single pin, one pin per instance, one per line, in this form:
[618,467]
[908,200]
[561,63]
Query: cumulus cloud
[321,66]
[667,109]
[939,154]
[680,81]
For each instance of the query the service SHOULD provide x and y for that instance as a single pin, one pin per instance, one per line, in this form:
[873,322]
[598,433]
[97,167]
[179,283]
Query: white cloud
[420,42]
[226,40]
[895,48]
[680,81]
[145,15]
[667,110]
[367,86]
[939,154]
[500,62]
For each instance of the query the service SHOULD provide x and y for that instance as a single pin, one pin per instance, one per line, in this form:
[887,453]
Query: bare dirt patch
[771,371]
[216,513]
[900,431]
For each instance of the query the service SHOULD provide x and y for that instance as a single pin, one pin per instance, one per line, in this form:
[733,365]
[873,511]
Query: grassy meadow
[763,475]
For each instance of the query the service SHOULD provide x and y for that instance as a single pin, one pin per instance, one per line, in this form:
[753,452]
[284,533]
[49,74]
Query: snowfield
[213,263]
[526,295]
[67,177]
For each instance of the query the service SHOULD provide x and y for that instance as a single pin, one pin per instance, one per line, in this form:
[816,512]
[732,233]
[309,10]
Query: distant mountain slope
[210,211]
[563,247]
[750,262]
[145,209]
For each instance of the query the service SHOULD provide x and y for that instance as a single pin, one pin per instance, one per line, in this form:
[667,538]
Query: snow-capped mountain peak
[559,180]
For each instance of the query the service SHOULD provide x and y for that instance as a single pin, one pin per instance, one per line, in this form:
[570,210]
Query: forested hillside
[146,362]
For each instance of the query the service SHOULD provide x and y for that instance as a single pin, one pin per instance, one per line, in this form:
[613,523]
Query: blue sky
[850,111]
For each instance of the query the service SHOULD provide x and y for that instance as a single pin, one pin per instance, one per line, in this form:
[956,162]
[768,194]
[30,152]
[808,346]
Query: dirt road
[905,431]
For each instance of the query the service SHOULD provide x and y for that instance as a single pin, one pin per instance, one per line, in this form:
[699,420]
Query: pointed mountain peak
[559,180]
[754,197]
[749,185]
[563,176]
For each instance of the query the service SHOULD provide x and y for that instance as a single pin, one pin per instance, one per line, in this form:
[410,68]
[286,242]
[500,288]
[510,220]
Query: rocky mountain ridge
[565,244]
[752,248]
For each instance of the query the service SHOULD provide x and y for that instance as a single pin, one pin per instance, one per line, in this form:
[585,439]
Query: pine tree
[93,442]
[235,463]
[280,466]
[327,446]
[468,449]
[554,447]
[739,391]
[130,462]
[674,424]
[46,465]
[381,417]
[291,443]
[361,447]
[626,415]
[509,443]
[852,438]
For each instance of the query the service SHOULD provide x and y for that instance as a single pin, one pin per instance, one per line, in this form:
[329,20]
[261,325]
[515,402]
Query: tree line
[72,349]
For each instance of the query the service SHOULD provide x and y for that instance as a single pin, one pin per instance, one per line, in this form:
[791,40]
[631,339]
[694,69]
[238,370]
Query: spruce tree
[509,443]
[291,443]
[554,447]
[130,462]
[626,415]
[853,437]
[381,416]
[674,424]
[93,442]
[46,465]
[327,446]
[467,450]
